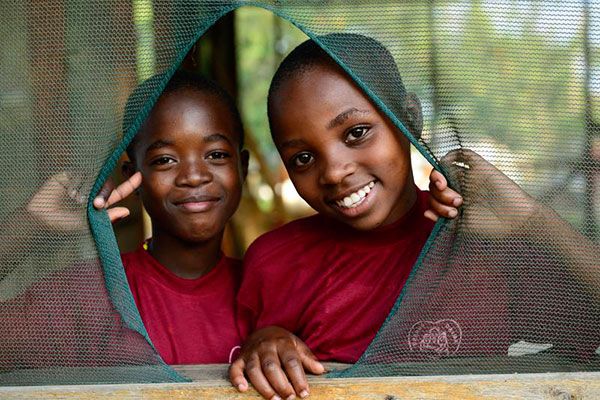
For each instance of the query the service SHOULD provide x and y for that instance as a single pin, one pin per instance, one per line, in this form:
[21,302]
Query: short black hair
[368,59]
[181,80]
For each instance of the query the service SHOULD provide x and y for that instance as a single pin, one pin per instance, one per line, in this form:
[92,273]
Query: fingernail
[457,201]
[98,202]
[275,398]
[452,213]
[304,393]
[241,387]
[291,397]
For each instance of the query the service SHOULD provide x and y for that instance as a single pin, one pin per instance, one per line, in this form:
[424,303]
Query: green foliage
[263,39]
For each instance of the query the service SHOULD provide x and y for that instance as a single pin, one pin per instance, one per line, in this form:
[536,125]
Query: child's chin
[200,235]
[360,224]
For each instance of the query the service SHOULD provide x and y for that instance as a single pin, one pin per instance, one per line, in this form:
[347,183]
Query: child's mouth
[195,204]
[355,199]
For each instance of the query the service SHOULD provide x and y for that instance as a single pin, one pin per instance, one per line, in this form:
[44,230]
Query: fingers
[294,369]
[268,378]
[117,213]
[443,201]
[440,210]
[438,180]
[104,193]
[295,363]
[109,194]
[236,375]
[431,215]
[277,378]
[445,197]
[311,364]
[125,189]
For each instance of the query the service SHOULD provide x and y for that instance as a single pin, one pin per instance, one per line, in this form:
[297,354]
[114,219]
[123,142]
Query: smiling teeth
[355,198]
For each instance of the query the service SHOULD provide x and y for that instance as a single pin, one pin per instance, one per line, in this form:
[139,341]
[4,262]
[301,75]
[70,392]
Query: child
[332,279]
[189,153]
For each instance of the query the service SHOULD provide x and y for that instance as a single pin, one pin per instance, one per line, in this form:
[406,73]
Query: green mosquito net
[510,99]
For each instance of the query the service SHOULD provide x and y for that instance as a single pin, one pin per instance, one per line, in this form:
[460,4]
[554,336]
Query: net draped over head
[493,290]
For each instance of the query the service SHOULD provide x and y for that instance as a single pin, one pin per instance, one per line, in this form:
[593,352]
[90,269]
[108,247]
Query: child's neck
[186,260]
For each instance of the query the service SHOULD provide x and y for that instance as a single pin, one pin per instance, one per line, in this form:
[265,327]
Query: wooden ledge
[209,382]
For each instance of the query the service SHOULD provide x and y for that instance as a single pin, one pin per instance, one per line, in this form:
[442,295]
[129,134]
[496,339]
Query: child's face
[344,157]
[188,153]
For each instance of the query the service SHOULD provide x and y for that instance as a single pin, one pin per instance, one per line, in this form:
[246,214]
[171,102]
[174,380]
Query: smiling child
[188,155]
[332,279]
[189,152]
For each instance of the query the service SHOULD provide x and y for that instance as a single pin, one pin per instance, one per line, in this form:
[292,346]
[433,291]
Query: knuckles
[268,365]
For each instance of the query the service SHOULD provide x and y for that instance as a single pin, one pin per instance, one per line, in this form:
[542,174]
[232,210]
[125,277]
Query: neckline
[175,282]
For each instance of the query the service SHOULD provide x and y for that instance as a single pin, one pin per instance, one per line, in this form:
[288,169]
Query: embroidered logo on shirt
[435,339]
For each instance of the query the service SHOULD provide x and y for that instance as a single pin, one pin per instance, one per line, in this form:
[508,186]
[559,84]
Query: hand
[59,203]
[110,195]
[274,360]
[495,205]
[443,201]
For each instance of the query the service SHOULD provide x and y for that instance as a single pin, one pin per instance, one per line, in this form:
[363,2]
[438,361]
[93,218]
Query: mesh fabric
[493,290]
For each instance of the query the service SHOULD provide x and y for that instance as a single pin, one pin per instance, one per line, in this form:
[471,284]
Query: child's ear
[413,114]
[127,169]
[244,159]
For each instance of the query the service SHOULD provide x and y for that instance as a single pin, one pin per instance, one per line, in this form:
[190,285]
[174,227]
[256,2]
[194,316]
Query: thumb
[236,375]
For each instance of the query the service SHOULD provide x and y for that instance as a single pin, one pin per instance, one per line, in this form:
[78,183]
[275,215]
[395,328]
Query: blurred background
[494,61]
[242,51]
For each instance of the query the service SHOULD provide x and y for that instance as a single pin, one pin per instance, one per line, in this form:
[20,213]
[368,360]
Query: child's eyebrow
[158,144]
[292,143]
[343,116]
[217,137]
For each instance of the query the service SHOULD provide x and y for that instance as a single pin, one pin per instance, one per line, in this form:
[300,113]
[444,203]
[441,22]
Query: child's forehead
[322,89]
[191,97]
[176,109]
[315,75]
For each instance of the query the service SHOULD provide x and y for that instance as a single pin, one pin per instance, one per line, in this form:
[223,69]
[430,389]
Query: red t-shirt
[190,321]
[67,319]
[331,285]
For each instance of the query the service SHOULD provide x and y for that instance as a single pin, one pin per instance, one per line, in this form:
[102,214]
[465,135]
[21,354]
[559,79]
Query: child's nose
[335,170]
[193,174]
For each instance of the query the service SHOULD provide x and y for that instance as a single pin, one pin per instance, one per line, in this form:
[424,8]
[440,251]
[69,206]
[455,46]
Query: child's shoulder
[134,258]
[293,236]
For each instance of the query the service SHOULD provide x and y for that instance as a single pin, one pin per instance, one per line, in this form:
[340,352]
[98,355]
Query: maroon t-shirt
[331,285]
[190,321]
[67,319]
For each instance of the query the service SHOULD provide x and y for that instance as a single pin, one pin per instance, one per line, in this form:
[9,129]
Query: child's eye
[302,159]
[218,155]
[356,134]
[162,160]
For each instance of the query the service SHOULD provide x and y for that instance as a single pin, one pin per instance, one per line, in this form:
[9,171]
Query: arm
[274,360]
[507,209]
[574,248]
[56,208]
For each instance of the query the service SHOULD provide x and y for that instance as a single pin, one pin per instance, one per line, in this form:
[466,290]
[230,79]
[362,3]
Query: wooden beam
[209,382]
